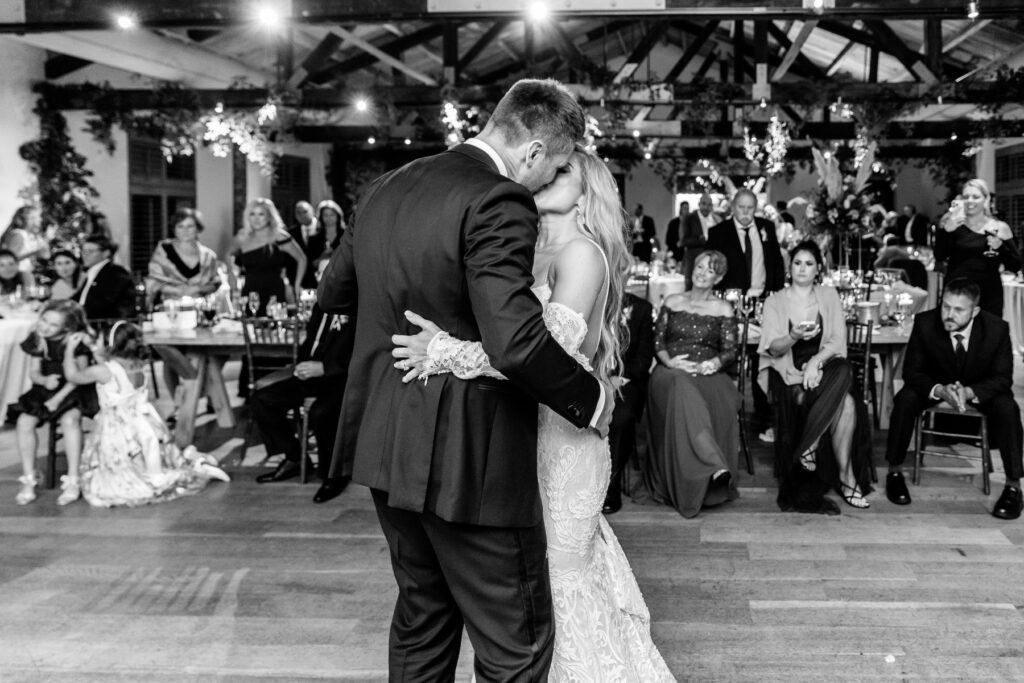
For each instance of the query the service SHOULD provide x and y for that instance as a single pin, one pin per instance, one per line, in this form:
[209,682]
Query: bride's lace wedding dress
[602,626]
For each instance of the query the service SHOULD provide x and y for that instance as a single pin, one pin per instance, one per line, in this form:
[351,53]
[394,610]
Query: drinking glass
[210,310]
[253,302]
[172,308]
[990,252]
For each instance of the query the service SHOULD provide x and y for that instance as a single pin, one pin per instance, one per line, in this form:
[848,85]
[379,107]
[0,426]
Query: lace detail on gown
[602,626]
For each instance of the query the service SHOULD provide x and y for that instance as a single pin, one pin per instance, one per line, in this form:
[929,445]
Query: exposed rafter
[381,53]
[911,60]
[481,44]
[794,49]
[641,51]
[691,50]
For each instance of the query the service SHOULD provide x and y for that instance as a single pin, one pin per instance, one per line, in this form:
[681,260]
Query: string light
[408,141]
[972,10]
[362,104]
[636,133]
[126,22]
[371,140]
[764,103]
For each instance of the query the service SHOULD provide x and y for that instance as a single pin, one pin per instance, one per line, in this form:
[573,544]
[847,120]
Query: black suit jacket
[930,358]
[111,294]
[313,249]
[723,237]
[672,239]
[451,239]
[642,248]
[693,242]
[918,231]
[639,353]
[333,343]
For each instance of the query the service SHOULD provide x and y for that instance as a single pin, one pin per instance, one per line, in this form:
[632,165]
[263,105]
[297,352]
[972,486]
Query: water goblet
[990,252]
[172,307]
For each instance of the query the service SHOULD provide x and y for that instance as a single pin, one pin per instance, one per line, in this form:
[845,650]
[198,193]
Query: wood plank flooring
[248,582]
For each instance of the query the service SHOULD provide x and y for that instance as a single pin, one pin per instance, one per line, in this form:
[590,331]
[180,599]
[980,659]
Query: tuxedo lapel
[976,347]
[947,358]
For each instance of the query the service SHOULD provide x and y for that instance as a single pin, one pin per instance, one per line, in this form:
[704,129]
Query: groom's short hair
[540,108]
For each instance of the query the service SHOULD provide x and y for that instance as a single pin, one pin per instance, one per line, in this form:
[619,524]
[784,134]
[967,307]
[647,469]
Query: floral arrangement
[839,203]
[771,154]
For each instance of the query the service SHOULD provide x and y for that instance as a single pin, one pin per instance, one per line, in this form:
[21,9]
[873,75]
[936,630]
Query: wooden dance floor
[248,582]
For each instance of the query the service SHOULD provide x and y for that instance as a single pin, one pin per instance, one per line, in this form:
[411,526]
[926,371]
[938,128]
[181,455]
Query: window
[291,185]
[157,189]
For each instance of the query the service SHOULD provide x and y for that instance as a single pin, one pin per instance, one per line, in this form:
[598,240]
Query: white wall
[214,177]
[644,186]
[22,65]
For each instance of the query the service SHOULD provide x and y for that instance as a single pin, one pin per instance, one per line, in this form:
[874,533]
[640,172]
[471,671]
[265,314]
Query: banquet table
[205,351]
[1013,313]
[658,287]
[14,363]
[889,343]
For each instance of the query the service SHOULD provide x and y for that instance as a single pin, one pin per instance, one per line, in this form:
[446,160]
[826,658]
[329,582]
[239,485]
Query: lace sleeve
[466,359]
[729,341]
[660,327]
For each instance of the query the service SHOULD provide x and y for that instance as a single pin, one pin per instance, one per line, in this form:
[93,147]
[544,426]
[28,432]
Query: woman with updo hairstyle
[820,437]
[974,244]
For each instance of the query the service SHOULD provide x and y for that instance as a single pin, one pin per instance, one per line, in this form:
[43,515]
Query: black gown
[263,267]
[964,250]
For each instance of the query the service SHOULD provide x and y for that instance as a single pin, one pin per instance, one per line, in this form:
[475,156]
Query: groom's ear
[535,151]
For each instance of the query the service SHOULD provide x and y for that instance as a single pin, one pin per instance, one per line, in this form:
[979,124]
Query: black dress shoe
[286,469]
[330,489]
[611,506]
[1009,504]
[896,489]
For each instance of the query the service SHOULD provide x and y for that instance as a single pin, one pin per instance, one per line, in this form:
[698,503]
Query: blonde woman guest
[181,266]
[974,244]
[24,236]
[260,249]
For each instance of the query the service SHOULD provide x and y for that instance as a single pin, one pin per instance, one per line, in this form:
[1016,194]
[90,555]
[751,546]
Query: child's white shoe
[70,491]
[211,471]
[27,492]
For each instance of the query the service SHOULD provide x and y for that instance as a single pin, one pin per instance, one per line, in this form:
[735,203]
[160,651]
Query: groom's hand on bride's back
[605,420]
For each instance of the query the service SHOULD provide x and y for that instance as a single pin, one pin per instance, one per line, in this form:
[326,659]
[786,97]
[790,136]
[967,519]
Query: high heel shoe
[809,459]
[854,498]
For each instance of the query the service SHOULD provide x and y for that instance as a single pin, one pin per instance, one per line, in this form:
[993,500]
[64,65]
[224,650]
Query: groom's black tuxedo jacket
[451,239]
[930,358]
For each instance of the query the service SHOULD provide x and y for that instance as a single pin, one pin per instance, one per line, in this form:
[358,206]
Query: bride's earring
[579,218]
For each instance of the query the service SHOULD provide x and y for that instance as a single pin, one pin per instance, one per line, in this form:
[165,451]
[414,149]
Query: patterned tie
[748,254]
[961,352]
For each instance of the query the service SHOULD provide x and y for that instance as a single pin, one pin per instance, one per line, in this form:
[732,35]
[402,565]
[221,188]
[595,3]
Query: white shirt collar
[480,144]
[94,270]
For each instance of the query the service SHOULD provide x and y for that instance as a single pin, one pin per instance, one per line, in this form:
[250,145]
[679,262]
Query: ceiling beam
[964,33]
[801,59]
[691,51]
[374,53]
[466,59]
[38,15]
[59,65]
[640,51]
[838,59]
[151,55]
[795,49]
[911,60]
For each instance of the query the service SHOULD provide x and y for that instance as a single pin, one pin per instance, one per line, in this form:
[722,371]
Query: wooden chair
[269,344]
[858,353]
[743,366]
[304,438]
[925,426]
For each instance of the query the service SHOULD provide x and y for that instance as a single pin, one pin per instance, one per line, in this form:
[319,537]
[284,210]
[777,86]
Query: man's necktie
[961,352]
[748,253]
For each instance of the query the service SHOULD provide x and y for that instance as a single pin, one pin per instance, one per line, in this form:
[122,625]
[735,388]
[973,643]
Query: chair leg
[871,461]
[51,456]
[743,442]
[986,457]
[918,456]
[303,443]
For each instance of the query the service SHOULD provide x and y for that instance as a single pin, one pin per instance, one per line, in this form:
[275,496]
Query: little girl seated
[51,397]
[130,458]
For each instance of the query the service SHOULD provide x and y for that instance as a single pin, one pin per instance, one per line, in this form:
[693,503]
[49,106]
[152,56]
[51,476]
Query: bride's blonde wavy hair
[606,222]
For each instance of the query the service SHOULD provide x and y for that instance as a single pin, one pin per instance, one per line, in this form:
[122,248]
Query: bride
[602,626]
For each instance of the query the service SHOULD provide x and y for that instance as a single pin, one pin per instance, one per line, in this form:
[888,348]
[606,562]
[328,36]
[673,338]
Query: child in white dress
[130,458]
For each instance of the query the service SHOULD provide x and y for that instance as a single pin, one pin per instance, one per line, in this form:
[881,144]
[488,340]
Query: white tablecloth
[664,285]
[14,363]
[1013,313]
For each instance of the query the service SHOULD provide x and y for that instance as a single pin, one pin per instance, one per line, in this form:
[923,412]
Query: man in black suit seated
[961,355]
[643,234]
[673,236]
[311,239]
[108,291]
[321,372]
[756,269]
[638,318]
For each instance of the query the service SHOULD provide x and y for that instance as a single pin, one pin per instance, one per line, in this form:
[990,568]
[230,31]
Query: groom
[452,464]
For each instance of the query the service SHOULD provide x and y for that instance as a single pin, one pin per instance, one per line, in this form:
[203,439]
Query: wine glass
[172,308]
[253,302]
[990,252]
[210,309]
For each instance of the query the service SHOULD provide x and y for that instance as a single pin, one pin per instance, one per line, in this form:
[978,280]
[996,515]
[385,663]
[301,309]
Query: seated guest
[638,318]
[108,291]
[803,349]
[68,275]
[960,355]
[692,402]
[24,237]
[321,372]
[181,266]
[12,280]
[890,252]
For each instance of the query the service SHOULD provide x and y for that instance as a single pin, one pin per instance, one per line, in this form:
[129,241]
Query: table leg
[190,389]
[217,392]
[888,390]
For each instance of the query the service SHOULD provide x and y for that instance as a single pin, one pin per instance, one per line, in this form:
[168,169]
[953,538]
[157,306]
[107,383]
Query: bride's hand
[411,350]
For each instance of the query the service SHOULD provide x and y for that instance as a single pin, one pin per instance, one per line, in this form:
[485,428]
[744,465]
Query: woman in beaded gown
[602,626]
[974,244]
[692,401]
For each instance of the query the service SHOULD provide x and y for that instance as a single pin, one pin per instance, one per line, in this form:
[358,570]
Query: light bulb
[126,22]
[362,105]
[972,10]
[371,140]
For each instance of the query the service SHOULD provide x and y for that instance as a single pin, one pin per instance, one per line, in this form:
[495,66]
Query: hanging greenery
[62,188]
